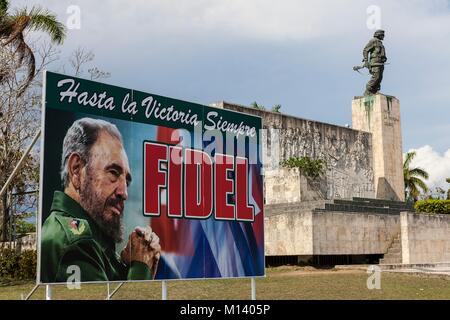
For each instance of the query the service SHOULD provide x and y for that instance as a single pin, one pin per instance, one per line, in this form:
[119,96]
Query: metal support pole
[48,292]
[253,282]
[19,165]
[114,292]
[164,290]
[31,292]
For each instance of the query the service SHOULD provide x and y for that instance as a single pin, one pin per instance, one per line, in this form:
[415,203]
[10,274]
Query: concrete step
[392,256]
[395,266]
[390,260]
[400,206]
[355,208]
[395,242]
[276,212]
[352,212]
[339,205]
[394,251]
[298,204]
[274,209]
[387,202]
[291,208]
[342,205]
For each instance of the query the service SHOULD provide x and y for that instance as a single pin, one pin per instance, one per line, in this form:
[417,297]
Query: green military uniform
[71,237]
[377,53]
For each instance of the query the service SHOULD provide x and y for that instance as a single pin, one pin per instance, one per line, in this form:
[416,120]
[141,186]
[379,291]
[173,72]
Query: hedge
[20,266]
[433,206]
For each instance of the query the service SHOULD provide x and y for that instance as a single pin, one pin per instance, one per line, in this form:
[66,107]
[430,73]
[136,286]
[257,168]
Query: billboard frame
[48,285]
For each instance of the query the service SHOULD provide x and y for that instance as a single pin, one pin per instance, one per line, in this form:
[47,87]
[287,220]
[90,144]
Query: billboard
[137,186]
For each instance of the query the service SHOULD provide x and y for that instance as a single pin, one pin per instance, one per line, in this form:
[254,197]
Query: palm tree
[12,29]
[413,178]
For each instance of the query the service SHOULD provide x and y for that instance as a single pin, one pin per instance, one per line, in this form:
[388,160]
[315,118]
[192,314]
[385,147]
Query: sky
[295,53]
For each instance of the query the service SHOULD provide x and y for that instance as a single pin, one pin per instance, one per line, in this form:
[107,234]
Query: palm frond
[12,29]
[408,158]
[413,177]
[419,183]
[418,172]
[44,20]
[4,5]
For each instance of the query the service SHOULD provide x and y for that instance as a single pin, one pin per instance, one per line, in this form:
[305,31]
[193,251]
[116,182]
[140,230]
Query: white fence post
[253,281]
[48,292]
[164,290]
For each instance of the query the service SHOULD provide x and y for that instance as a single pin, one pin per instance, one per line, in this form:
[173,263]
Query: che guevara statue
[374,60]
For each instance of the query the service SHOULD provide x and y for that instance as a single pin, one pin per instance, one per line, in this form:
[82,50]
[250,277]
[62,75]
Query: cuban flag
[209,248]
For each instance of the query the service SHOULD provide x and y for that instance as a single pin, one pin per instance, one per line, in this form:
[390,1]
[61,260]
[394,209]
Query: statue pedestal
[380,115]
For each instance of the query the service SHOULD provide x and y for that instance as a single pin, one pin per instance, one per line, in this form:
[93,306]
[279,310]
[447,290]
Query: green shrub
[433,206]
[17,266]
[309,167]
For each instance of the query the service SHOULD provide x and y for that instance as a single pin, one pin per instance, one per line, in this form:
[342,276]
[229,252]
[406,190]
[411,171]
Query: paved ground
[442,269]
[445,271]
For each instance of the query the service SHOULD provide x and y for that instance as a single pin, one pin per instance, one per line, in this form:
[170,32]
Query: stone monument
[379,114]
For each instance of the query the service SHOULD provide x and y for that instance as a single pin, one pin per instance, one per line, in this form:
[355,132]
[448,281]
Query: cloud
[437,165]
[297,53]
[267,20]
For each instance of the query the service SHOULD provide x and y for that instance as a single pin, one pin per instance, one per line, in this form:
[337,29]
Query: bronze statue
[374,59]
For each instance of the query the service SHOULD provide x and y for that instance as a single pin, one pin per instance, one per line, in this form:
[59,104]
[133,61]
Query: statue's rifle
[368,66]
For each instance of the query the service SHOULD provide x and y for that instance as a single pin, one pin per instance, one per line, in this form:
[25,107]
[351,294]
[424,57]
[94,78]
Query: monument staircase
[356,205]
[394,252]
[366,205]
[294,207]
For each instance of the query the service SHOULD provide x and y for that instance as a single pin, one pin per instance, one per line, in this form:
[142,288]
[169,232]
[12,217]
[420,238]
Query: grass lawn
[280,283]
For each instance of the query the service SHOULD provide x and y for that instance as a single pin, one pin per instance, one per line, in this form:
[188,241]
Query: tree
[81,57]
[19,121]
[12,32]
[20,97]
[448,191]
[413,178]
[441,192]
[23,226]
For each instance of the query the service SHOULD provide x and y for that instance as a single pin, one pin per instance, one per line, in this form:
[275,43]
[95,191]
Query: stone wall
[331,233]
[282,186]
[288,185]
[425,238]
[347,152]
[353,233]
[298,229]
[289,234]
